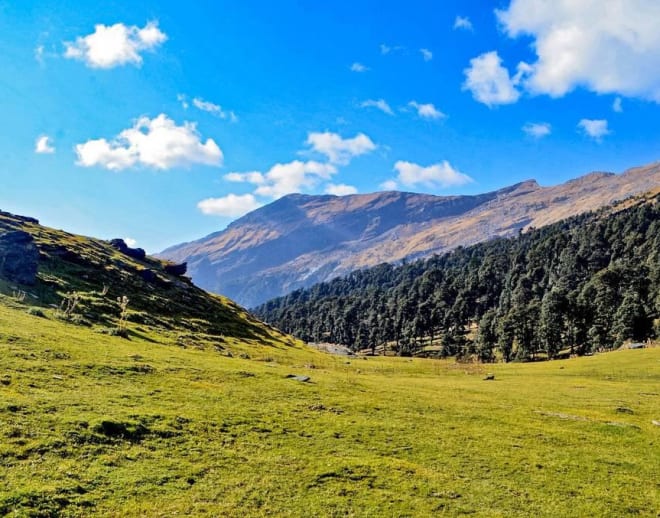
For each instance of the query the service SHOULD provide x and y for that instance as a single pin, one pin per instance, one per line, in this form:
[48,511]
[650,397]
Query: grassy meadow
[150,426]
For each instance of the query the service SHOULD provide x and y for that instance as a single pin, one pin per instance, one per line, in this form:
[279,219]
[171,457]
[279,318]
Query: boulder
[296,377]
[176,269]
[147,275]
[118,244]
[19,257]
[135,253]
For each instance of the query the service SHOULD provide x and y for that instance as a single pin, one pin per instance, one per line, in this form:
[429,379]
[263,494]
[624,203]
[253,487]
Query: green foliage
[36,312]
[585,284]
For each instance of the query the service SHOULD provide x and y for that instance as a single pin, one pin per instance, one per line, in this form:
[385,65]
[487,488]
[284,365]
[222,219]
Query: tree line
[584,284]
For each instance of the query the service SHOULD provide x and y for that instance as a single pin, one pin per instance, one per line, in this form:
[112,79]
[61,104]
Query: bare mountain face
[300,240]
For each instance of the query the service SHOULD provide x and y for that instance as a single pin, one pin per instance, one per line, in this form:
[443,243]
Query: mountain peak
[302,239]
[520,187]
[591,177]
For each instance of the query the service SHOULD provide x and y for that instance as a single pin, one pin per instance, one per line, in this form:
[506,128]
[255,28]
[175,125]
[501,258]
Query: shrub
[68,305]
[123,313]
[36,312]
[118,331]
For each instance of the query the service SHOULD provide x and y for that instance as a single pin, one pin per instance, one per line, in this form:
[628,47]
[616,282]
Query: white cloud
[339,150]
[436,175]
[278,181]
[617,106]
[232,205]
[214,109]
[293,176]
[489,81]
[43,52]
[340,189]
[39,54]
[286,178]
[537,129]
[358,67]
[157,143]
[207,106]
[594,128]
[426,54]
[381,104]
[130,242]
[115,45]
[254,177]
[427,111]
[44,145]
[386,49]
[183,100]
[606,46]
[463,22]
[389,185]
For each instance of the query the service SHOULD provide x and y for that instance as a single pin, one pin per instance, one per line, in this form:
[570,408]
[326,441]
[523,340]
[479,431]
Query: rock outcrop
[176,269]
[19,257]
[135,253]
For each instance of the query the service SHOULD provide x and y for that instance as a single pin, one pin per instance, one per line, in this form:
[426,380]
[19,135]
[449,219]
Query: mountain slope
[584,284]
[300,240]
[79,280]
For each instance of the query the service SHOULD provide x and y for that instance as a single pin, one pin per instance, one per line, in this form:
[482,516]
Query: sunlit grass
[95,424]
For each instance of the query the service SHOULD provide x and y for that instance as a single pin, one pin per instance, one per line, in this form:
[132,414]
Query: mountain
[84,281]
[300,240]
[584,284]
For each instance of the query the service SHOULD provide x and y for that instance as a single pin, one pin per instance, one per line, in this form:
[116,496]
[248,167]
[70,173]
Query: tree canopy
[587,283]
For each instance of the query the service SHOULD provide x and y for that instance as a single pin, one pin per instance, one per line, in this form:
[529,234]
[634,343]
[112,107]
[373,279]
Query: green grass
[96,424]
[194,415]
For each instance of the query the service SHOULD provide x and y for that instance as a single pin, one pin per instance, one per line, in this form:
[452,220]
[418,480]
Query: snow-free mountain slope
[299,240]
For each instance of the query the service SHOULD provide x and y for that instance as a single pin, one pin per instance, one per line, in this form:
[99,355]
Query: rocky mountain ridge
[300,240]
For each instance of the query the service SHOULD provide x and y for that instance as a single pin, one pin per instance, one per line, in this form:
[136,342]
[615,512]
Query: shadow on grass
[142,336]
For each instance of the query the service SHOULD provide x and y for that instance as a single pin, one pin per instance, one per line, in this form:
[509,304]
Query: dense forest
[585,284]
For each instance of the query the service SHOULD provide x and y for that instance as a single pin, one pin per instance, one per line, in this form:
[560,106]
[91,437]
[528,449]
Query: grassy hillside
[94,274]
[195,413]
[95,424]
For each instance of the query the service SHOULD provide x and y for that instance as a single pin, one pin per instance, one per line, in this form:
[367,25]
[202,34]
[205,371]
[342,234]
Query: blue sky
[163,121]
